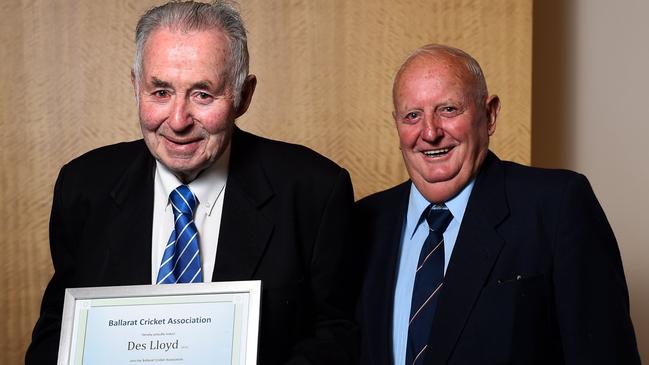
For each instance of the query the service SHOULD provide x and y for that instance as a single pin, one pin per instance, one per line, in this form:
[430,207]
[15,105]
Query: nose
[432,129]
[180,117]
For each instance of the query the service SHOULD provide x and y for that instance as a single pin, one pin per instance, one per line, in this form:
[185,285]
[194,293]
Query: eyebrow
[203,84]
[156,82]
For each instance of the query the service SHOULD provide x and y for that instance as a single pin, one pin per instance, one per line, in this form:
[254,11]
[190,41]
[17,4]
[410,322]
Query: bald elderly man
[475,260]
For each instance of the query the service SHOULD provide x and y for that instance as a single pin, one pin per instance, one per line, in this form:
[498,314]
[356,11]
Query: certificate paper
[197,324]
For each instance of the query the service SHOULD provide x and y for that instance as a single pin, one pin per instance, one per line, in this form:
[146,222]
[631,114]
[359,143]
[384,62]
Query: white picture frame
[203,323]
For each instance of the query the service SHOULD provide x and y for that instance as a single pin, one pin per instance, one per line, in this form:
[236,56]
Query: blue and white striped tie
[181,262]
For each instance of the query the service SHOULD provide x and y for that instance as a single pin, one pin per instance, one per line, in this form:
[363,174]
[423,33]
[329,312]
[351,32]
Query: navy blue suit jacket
[535,276]
[285,221]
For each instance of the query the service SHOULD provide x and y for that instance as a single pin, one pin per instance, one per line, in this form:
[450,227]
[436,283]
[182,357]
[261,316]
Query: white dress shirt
[209,188]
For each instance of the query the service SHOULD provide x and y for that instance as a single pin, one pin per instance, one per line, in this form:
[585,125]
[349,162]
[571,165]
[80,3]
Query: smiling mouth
[180,141]
[437,152]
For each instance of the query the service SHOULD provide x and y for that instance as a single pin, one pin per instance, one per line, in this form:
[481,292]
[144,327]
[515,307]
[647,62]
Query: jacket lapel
[386,240]
[245,231]
[129,222]
[476,250]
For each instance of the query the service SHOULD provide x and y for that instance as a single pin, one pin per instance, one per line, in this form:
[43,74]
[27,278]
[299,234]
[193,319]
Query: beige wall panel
[329,85]
[65,69]
[325,70]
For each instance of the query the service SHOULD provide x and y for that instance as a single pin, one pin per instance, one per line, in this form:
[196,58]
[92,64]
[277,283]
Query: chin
[180,165]
[439,176]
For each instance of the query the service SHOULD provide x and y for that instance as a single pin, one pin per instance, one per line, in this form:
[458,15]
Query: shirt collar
[417,204]
[207,187]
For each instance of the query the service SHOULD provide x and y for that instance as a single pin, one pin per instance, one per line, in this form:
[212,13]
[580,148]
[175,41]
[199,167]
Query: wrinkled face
[185,101]
[443,130]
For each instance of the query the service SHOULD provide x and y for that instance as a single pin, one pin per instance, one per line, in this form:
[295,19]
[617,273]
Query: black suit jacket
[535,276]
[285,221]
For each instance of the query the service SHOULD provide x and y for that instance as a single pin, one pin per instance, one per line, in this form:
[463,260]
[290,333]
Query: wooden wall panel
[325,71]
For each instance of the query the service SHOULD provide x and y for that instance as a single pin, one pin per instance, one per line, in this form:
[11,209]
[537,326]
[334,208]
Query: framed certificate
[205,323]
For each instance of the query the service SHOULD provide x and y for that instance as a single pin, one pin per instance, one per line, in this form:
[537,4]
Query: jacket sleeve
[44,347]
[335,279]
[591,295]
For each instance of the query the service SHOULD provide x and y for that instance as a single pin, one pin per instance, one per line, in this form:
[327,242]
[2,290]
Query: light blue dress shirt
[413,235]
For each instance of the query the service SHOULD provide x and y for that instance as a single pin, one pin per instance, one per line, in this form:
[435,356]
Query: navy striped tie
[181,262]
[428,283]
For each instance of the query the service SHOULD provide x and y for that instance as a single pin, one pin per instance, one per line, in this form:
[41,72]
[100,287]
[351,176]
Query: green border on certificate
[206,323]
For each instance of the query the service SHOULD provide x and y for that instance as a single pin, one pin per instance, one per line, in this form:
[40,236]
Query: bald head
[465,67]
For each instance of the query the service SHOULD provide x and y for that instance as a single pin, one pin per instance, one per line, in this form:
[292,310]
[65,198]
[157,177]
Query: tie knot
[438,217]
[183,200]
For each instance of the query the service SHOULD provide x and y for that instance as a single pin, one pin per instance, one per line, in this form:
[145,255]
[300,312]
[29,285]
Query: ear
[246,94]
[133,82]
[492,106]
